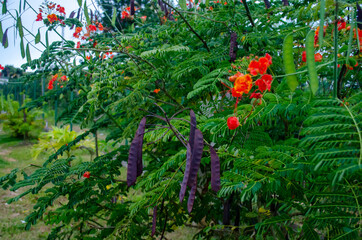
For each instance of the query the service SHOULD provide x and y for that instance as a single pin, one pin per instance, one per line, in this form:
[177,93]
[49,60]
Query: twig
[187,23]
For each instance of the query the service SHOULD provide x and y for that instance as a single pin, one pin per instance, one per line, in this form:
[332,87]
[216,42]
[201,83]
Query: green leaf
[79,3]
[321,23]
[312,70]
[1,31]
[4,9]
[85,9]
[183,4]
[20,27]
[47,41]
[28,57]
[114,16]
[22,50]
[288,61]
[37,37]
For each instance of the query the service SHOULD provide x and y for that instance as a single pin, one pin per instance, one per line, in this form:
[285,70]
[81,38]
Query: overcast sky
[11,55]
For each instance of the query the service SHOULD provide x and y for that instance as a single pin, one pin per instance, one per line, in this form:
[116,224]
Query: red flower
[61,9]
[304,56]
[143,18]
[52,18]
[39,17]
[125,15]
[86,174]
[341,24]
[92,28]
[264,82]
[233,123]
[256,95]
[267,56]
[1,67]
[51,6]
[318,57]
[156,90]
[234,93]
[235,76]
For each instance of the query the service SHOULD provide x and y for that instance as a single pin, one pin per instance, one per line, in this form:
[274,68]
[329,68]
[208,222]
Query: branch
[248,13]
[187,23]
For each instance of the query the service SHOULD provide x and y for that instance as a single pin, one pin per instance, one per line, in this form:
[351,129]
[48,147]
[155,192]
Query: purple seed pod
[233,46]
[134,168]
[215,170]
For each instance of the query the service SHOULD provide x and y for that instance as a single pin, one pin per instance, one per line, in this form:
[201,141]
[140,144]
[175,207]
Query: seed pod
[186,174]
[132,7]
[359,16]
[233,46]
[135,166]
[285,2]
[215,170]
[267,4]
[190,201]
[154,221]
[196,157]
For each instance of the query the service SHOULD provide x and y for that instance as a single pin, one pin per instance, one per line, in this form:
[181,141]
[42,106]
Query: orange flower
[243,84]
[156,90]
[100,27]
[52,18]
[78,29]
[318,57]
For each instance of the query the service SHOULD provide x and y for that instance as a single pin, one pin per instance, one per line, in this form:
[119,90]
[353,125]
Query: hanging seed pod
[132,7]
[190,201]
[359,16]
[267,4]
[196,157]
[154,221]
[186,174]
[215,170]
[233,46]
[135,166]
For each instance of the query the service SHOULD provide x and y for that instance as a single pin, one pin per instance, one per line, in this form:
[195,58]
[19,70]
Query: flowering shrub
[206,103]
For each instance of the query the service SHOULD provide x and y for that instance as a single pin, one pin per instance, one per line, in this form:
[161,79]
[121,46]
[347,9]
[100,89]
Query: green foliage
[20,123]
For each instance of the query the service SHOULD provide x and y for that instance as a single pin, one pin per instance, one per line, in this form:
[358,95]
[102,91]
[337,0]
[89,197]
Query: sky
[12,55]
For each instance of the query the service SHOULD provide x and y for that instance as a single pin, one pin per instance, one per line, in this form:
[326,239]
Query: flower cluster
[54,13]
[91,28]
[243,83]
[126,14]
[54,79]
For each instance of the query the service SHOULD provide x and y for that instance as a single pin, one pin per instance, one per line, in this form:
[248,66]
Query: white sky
[12,55]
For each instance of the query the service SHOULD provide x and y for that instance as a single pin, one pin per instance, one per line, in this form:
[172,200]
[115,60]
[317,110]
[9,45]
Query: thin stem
[335,72]
[187,23]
